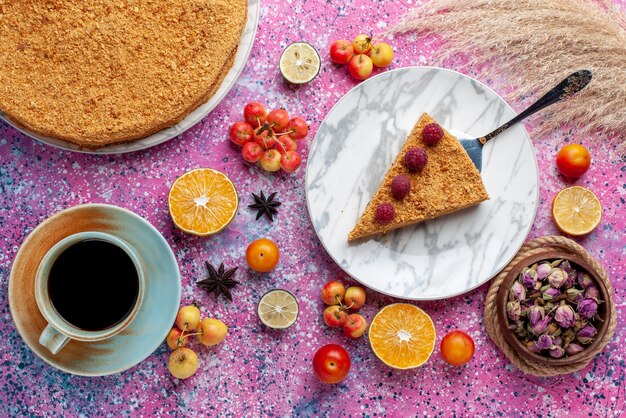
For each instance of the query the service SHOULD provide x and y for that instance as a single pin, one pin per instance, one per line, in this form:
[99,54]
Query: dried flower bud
[557,278]
[544,342]
[587,334]
[587,308]
[566,266]
[571,280]
[553,329]
[568,334]
[556,263]
[518,292]
[535,314]
[543,270]
[580,324]
[540,326]
[584,280]
[556,351]
[550,293]
[557,341]
[532,346]
[513,310]
[529,279]
[574,348]
[573,293]
[565,316]
[592,292]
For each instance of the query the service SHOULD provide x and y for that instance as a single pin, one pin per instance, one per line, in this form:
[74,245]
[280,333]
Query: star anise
[265,205]
[219,281]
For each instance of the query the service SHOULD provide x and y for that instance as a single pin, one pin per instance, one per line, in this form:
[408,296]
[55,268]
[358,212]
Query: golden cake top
[105,71]
[448,182]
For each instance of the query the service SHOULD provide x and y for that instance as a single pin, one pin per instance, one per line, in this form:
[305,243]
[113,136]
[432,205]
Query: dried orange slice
[576,210]
[402,336]
[203,201]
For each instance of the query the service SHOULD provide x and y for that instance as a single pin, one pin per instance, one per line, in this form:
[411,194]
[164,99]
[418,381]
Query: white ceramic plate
[357,142]
[243,51]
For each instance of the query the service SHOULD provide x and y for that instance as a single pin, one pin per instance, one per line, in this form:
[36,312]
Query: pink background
[257,372]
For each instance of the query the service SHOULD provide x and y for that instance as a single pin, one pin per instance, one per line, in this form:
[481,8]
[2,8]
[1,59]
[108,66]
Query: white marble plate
[243,51]
[359,139]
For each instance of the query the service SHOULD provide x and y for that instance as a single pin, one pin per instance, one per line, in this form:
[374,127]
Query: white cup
[59,332]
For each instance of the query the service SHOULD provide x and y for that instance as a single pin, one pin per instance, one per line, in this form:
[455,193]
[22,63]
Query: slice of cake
[431,176]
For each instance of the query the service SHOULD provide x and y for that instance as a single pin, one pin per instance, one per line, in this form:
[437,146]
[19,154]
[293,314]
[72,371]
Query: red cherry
[297,128]
[241,132]
[254,113]
[251,152]
[278,119]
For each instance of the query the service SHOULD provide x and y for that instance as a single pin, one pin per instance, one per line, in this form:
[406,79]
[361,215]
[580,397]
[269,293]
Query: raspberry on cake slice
[431,176]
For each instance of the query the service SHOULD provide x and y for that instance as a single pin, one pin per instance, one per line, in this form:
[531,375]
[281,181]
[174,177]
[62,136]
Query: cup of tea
[89,287]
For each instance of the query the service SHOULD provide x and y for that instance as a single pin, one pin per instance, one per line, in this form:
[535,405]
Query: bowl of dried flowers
[552,308]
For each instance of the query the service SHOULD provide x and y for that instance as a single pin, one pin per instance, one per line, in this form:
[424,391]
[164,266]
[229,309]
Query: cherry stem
[179,343]
[191,335]
[284,133]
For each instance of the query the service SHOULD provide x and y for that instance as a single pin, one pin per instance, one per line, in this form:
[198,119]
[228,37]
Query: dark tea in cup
[93,284]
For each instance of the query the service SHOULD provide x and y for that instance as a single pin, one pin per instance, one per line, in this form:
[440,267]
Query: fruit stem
[179,343]
[195,333]
[284,133]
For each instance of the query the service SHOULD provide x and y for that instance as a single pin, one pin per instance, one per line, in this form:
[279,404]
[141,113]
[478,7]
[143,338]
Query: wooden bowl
[503,294]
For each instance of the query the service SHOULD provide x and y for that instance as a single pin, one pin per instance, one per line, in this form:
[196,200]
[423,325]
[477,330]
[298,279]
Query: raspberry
[385,213]
[400,186]
[415,159]
[432,134]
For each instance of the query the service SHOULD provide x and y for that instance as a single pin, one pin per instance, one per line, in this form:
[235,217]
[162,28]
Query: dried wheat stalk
[534,44]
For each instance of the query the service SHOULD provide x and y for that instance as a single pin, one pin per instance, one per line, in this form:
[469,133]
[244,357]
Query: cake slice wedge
[448,182]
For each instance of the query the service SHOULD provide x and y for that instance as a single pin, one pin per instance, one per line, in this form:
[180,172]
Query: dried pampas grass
[534,44]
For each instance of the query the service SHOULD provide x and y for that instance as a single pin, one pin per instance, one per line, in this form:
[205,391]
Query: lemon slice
[278,309]
[402,336]
[203,201]
[576,210]
[300,63]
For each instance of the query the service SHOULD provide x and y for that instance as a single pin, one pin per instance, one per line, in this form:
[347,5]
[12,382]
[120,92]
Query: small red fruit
[297,128]
[415,159]
[400,186]
[331,363]
[278,119]
[432,134]
[174,337]
[573,160]
[264,138]
[355,326]
[385,213]
[251,152]
[354,297]
[334,316]
[360,66]
[270,160]
[341,51]
[290,161]
[241,132]
[457,348]
[284,143]
[188,318]
[362,44]
[254,113]
[381,55]
[333,293]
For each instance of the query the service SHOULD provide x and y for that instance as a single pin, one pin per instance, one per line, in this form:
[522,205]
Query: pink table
[255,372]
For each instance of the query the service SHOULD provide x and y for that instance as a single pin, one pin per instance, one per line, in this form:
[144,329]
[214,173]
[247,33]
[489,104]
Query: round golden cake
[107,71]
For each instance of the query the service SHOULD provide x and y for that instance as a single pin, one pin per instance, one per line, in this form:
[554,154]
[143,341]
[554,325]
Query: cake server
[566,88]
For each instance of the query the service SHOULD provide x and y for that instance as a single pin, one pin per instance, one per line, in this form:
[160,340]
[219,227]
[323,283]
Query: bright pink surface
[256,372]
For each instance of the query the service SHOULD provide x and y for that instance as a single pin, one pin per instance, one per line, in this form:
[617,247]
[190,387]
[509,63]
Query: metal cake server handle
[574,83]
